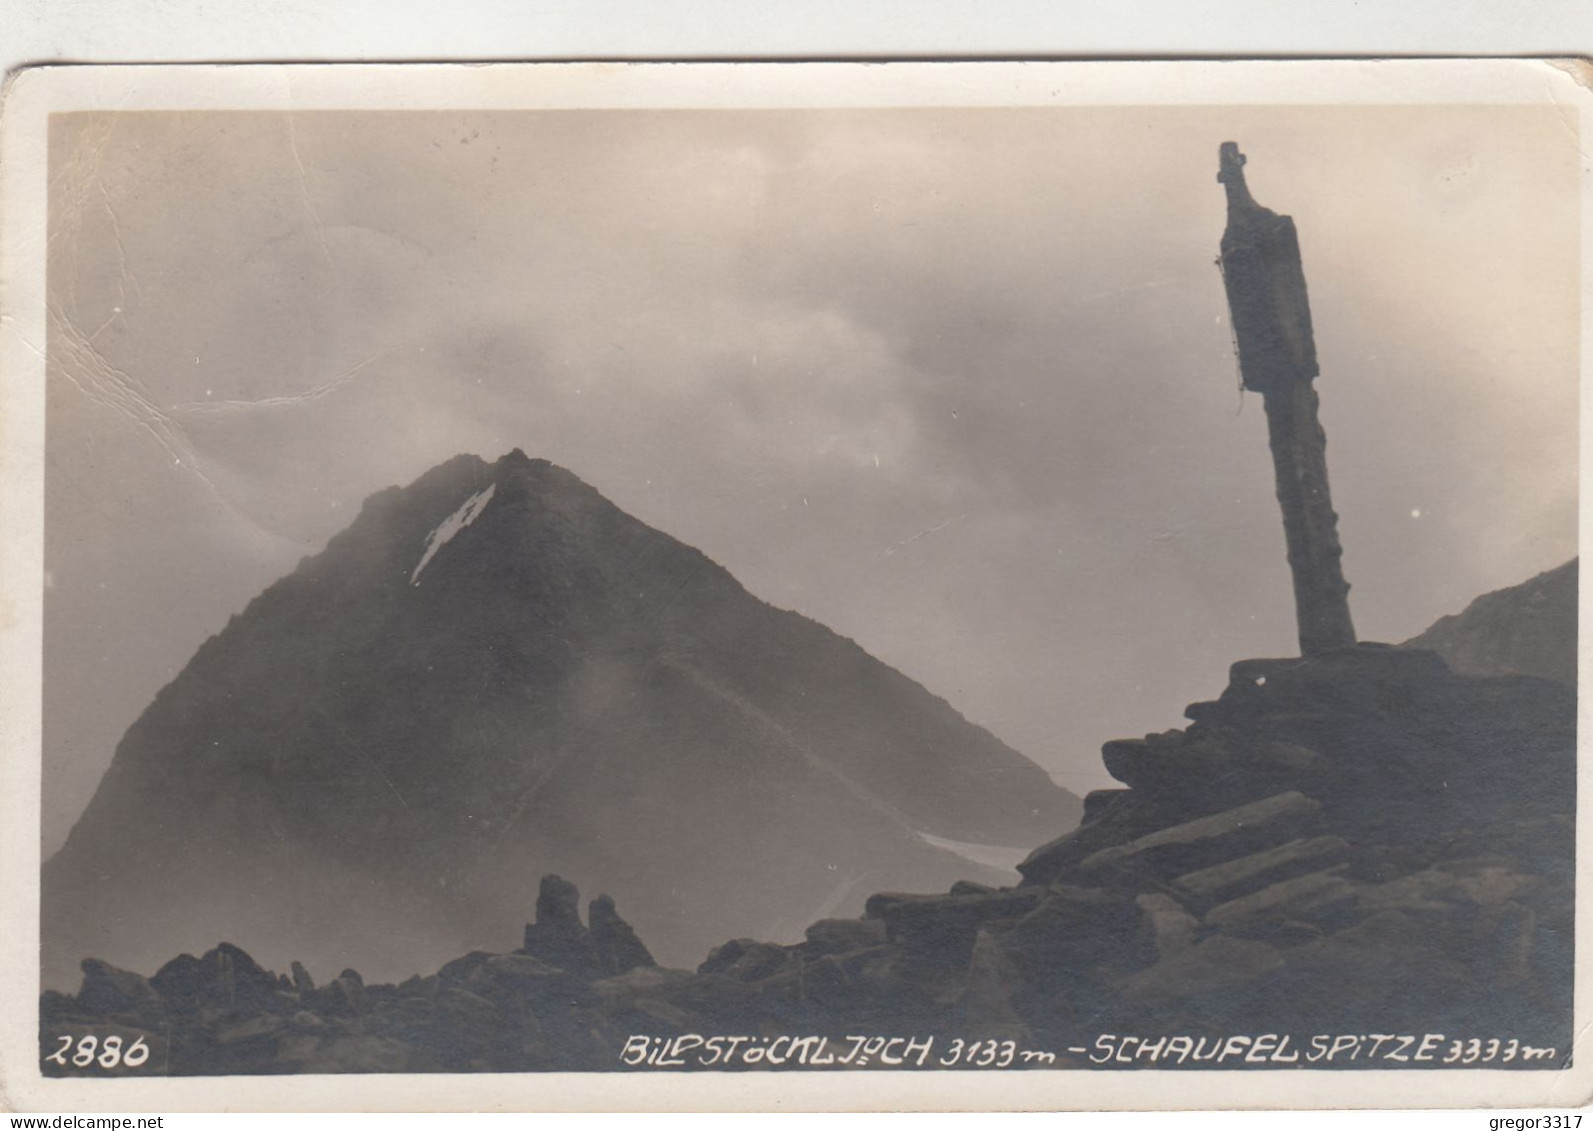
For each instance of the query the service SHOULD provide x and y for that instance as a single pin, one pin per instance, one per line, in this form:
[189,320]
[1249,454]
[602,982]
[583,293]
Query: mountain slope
[1527,629]
[495,673]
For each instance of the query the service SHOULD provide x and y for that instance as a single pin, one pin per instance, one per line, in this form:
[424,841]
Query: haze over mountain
[495,673]
[1527,629]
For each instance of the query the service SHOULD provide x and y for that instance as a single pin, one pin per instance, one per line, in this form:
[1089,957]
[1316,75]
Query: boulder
[746,960]
[1289,758]
[1478,882]
[841,936]
[514,968]
[301,978]
[264,1028]
[618,949]
[558,903]
[1398,967]
[941,929]
[821,982]
[1395,744]
[1127,817]
[461,968]
[1204,769]
[557,936]
[54,1005]
[1173,928]
[874,907]
[222,978]
[1079,934]
[1219,963]
[1489,881]
[1503,946]
[1234,878]
[359,1053]
[541,985]
[303,1021]
[1099,802]
[724,999]
[1210,840]
[179,981]
[463,1010]
[417,987]
[661,1016]
[1172,762]
[1361,681]
[108,989]
[1311,897]
[1429,891]
[343,996]
[229,977]
[869,965]
[987,1006]
[968,887]
[624,991]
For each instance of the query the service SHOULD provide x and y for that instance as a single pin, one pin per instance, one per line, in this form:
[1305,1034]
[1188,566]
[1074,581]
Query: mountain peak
[516,462]
[495,673]
[516,456]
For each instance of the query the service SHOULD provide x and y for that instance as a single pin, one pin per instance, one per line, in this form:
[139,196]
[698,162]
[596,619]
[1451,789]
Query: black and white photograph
[859,579]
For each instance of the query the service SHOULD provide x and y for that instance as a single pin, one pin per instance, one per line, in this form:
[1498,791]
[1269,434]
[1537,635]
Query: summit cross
[1277,358]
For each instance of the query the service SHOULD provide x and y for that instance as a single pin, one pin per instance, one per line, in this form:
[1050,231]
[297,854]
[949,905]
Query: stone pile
[1353,842]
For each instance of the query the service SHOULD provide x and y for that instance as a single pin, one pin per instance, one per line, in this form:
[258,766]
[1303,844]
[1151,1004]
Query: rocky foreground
[1342,847]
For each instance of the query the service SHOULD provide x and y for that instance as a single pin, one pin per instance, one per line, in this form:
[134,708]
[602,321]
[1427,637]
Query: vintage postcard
[724,586]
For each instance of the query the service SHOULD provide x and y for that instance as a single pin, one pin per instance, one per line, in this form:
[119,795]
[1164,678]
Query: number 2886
[89,1050]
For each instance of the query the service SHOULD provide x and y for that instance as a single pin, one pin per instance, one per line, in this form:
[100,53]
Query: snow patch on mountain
[452,525]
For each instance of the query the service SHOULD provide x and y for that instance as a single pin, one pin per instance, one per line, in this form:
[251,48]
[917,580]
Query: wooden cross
[1277,358]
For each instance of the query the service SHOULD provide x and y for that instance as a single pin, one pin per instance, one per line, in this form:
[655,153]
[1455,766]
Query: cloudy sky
[957,383]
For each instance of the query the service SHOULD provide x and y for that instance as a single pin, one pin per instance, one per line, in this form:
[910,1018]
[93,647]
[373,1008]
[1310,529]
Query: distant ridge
[1527,629]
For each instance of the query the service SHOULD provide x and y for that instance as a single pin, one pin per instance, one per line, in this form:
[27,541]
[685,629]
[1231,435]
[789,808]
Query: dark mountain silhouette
[495,673]
[1527,629]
